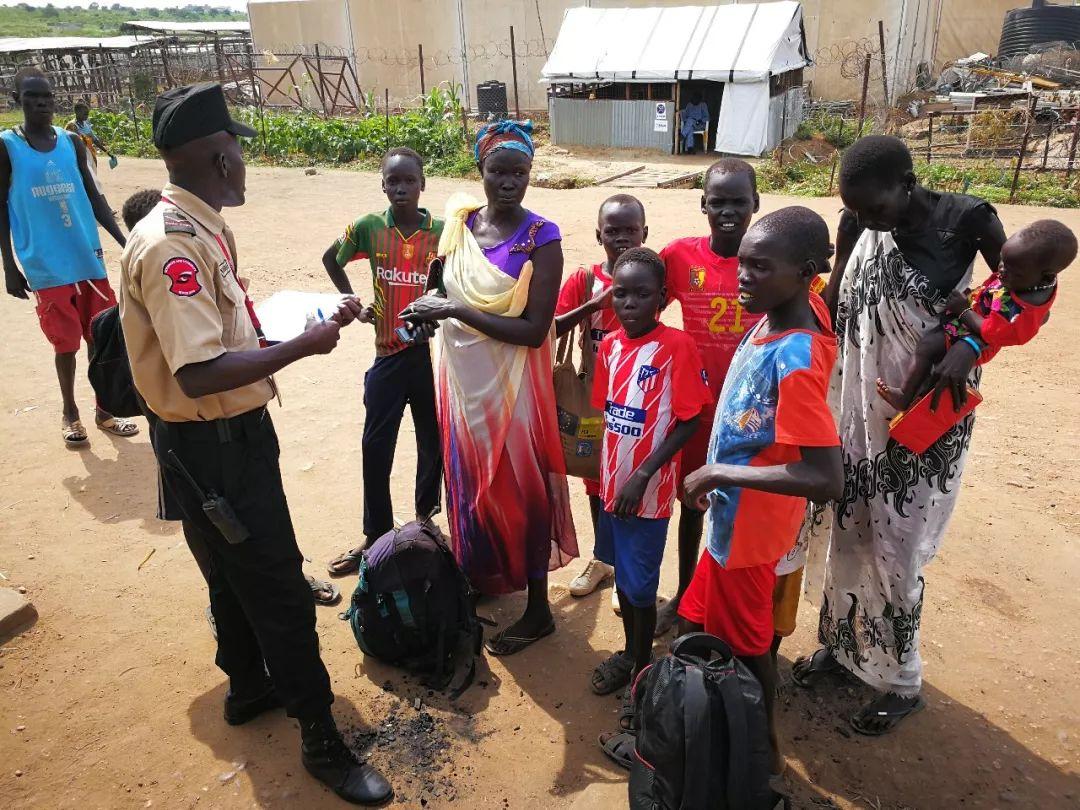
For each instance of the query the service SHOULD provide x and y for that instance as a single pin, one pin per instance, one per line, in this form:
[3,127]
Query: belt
[222,431]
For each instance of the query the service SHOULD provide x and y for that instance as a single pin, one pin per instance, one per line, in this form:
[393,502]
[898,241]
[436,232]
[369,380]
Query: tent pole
[676,149]
[352,41]
[464,54]
[513,64]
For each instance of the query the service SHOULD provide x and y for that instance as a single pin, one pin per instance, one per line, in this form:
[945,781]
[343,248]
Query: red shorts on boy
[65,312]
[733,604]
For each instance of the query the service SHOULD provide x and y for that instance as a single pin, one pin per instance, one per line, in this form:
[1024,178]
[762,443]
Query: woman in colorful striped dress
[508,502]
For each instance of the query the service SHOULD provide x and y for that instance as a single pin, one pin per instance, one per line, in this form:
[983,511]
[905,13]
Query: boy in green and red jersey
[400,244]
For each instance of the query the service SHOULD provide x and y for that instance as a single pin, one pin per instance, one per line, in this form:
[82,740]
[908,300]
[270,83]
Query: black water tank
[491,100]
[1024,28]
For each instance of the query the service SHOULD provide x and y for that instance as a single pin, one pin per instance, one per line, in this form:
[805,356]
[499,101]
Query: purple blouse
[510,256]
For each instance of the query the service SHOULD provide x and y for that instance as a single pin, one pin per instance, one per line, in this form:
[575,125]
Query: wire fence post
[386,110]
[881,47]
[513,64]
[256,93]
[1072,146]
[1023,147]
[930,137]
[865,87]
[134,118]
[1046,146]
[423,88]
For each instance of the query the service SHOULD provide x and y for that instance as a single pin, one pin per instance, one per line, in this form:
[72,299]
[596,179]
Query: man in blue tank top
[48,207]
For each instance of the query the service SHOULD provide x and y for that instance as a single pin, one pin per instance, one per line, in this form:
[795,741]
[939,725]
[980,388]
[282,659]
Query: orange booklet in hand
[919,427]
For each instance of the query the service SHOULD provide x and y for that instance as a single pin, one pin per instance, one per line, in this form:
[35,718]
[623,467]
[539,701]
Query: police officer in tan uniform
[196,360]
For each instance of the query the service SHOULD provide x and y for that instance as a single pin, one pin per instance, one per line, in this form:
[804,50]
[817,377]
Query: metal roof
[25,44]
[744,42]
[173,28]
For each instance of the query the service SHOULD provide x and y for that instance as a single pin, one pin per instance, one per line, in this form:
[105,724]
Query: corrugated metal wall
[795,101]
[605,122]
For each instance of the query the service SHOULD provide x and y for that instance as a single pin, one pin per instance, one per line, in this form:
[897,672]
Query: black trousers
[390,384]
[262,604]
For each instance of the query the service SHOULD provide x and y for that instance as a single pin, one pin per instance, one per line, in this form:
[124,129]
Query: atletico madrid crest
[646,378]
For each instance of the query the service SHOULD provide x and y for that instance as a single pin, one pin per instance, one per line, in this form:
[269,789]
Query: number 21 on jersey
[720,306]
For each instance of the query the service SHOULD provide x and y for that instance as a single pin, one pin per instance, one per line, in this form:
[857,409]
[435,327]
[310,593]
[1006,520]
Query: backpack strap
[738,759]
[697,741]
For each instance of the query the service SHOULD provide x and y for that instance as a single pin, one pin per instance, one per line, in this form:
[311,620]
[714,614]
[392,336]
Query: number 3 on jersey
[720,305]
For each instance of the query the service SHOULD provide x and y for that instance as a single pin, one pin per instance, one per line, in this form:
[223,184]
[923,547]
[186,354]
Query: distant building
[385,38]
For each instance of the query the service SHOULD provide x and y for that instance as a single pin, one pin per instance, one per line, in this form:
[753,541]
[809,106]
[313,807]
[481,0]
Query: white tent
[740,45]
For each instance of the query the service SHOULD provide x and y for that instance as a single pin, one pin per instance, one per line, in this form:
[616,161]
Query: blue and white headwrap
[504,135]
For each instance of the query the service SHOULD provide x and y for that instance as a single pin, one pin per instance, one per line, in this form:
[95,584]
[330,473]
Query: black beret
[193,111]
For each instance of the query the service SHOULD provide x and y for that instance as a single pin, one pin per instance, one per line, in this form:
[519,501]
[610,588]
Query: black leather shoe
[241,710]
[329,760]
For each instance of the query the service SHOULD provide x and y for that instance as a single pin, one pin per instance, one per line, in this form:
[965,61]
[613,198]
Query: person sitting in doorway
[694,118]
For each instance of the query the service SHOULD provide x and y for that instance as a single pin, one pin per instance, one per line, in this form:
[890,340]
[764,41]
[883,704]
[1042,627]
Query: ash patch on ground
[413,744]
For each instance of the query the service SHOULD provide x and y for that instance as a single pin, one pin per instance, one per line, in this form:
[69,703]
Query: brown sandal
[319,586]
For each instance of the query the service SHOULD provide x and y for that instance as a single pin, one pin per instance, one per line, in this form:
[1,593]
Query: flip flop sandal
[74,433]
[892,719]
[502,644]
[817,664]
[619,746]
[345,564]
[117,426]
[612,674]
[320,586]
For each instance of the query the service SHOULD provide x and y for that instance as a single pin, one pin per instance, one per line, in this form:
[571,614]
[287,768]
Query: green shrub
[119,133]
[301,138]
[834,129]
[991,181]
[433,130]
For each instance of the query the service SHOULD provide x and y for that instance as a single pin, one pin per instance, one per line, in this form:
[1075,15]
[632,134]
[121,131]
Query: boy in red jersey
[650,382]
[702,275]
[400,244]
[773,444]
[587,295]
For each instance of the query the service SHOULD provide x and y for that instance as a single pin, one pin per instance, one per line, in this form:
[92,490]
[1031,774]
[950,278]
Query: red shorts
[695,451]
[735,605]
[65,312]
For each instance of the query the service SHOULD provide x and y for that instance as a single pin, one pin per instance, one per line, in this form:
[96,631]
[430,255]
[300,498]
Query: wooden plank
[678,182]
[619,175]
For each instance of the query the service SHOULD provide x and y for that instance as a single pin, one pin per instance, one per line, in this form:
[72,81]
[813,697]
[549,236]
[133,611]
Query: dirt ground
[112,699]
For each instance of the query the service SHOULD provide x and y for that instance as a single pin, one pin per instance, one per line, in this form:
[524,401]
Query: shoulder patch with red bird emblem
[182,273]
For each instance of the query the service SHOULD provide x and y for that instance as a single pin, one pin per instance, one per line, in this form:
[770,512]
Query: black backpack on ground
[703,737]
[109,370]
[414,608]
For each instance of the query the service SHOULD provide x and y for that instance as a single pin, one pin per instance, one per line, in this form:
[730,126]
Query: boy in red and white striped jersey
[651,384]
